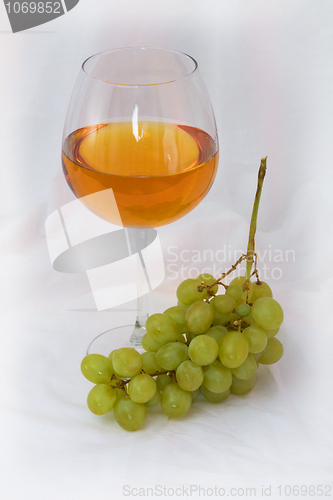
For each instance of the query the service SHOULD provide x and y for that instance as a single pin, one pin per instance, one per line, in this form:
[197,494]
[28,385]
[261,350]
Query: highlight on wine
[210,343]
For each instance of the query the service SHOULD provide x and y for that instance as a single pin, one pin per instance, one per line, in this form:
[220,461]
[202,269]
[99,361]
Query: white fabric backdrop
[268,68]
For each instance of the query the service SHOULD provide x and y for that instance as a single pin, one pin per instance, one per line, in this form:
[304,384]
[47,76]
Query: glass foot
[120,336]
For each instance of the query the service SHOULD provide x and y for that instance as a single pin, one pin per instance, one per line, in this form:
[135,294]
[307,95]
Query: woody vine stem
[253,225]
[250,255]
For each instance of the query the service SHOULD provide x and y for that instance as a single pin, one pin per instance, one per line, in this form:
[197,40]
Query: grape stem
[253,226]
[218,281]
[250,255]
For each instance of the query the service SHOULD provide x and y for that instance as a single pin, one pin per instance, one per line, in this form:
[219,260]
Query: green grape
[247,320]
[257,338]
[250,321]
[189,375]
[171,355]
[149,363]
[129,415]
[256,356]
[119,393]
[149,344]
[194,395]
[208,279]
[217,332]
[110,356]
[177,313]
[239,302]
[272,352]
[199,317]
[101,399]
[224,304]
[119,377]
[190,336]
[260,289]
[240,387]
[127,362]
[161,328]
[188,293]
[243,310]
[180,304]
[240,280]
[162,381]
[175,402]
[223,319]
[247,369]
[235,291]
[267,313]
[272,333]
[233,349]
[154,400]
[141,388]
[97,368]
[214,397]
[181,339]
[217,378]
[203,350]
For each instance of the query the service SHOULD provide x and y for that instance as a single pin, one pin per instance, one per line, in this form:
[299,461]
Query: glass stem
[141,239]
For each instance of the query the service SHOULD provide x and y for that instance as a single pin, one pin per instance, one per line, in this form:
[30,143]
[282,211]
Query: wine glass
[140,128]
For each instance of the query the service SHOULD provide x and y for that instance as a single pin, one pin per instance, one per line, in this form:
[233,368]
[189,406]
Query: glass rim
[140,47]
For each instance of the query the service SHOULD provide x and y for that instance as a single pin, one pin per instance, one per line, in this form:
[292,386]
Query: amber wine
[158,171]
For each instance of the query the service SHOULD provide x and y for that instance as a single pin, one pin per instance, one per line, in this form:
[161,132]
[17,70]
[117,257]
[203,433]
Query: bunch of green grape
[209,344]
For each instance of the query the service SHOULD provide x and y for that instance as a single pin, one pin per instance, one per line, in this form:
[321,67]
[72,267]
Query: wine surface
[158,171]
